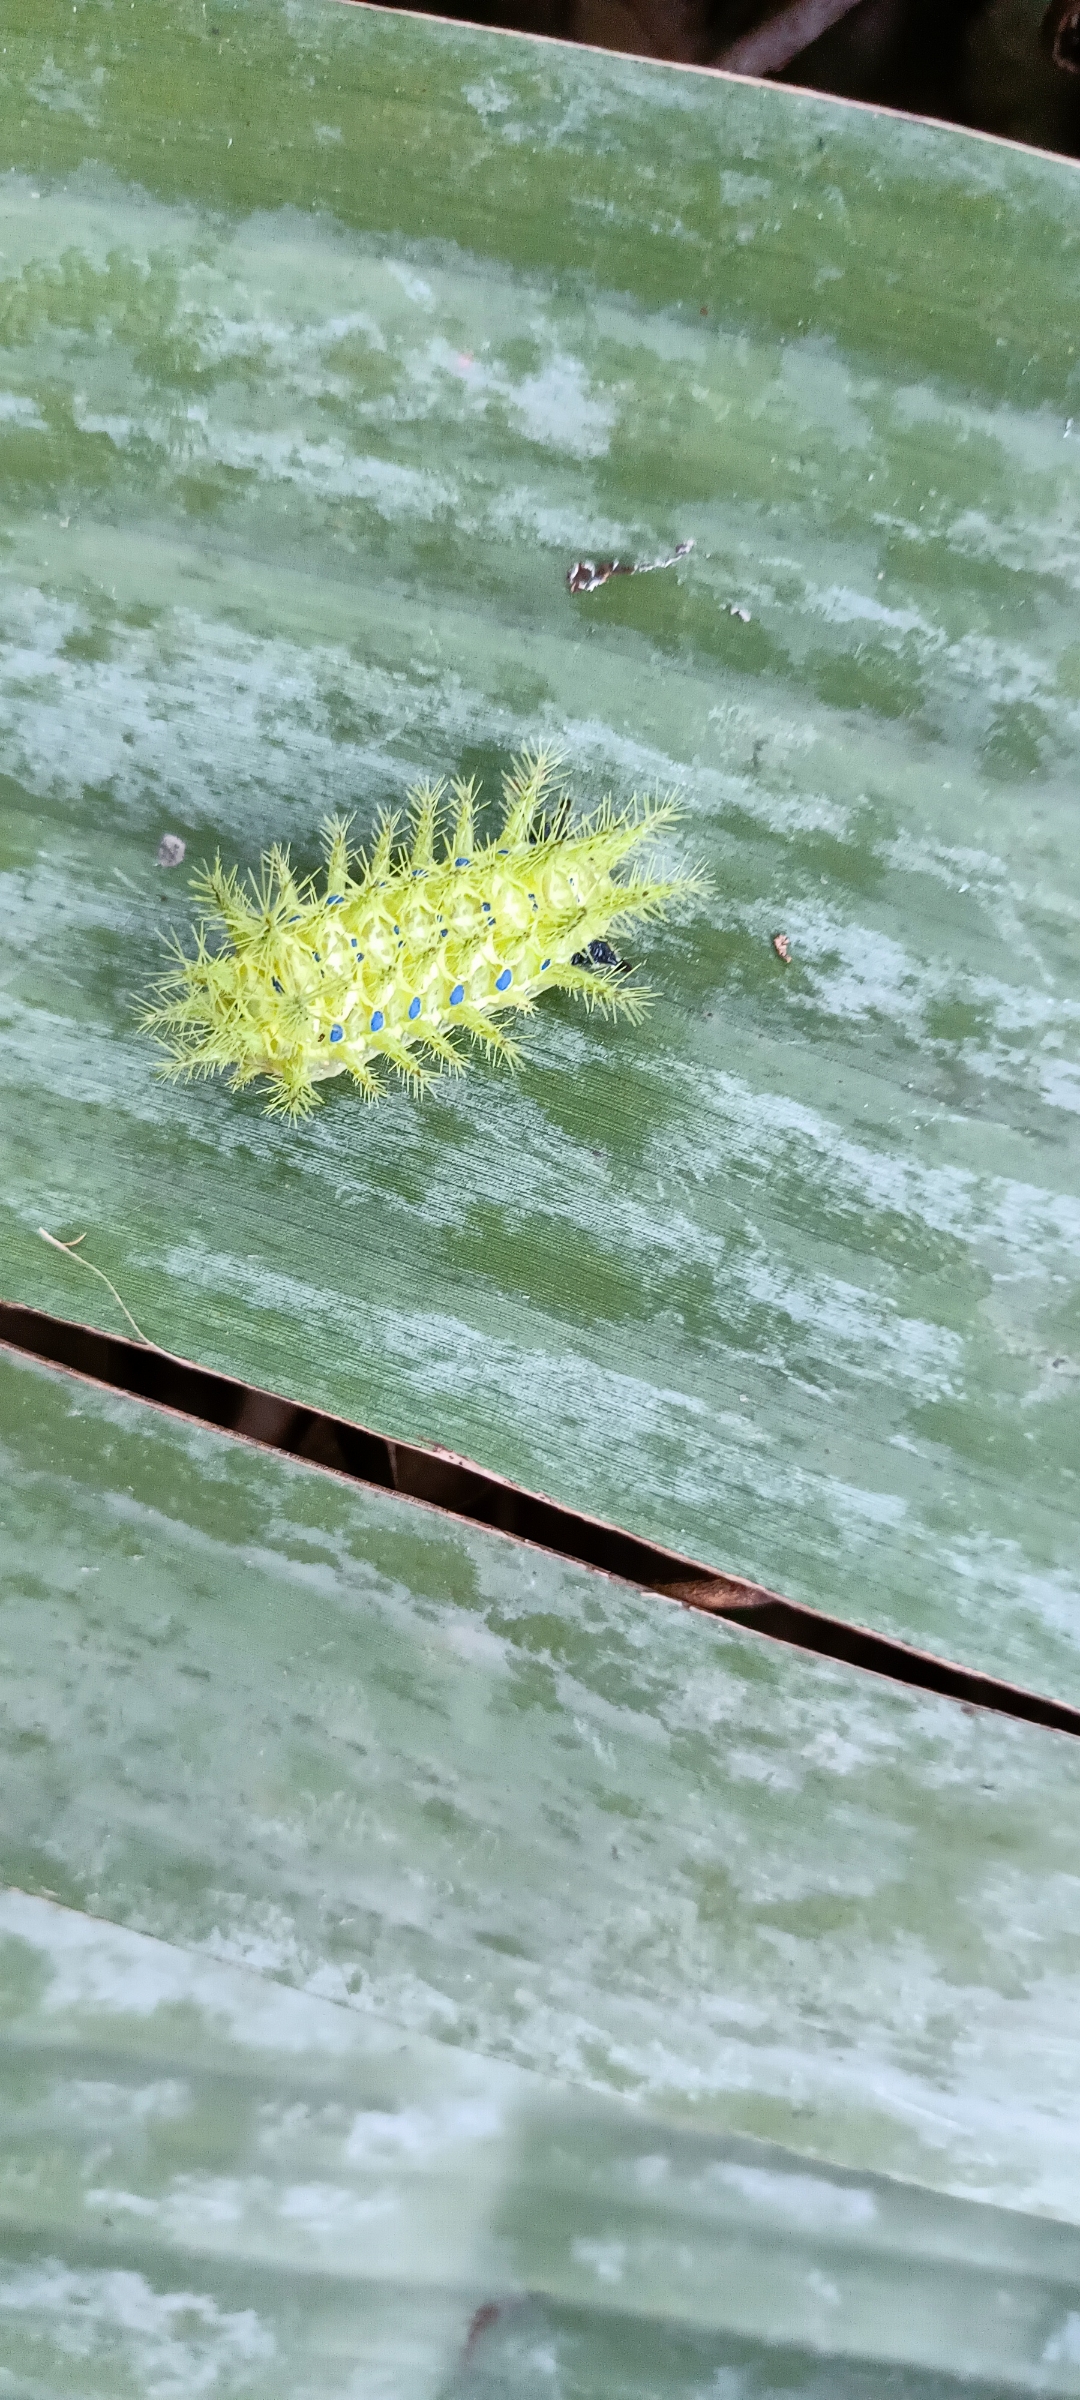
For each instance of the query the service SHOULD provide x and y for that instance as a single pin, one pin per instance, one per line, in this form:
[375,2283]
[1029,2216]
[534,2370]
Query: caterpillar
[409,949]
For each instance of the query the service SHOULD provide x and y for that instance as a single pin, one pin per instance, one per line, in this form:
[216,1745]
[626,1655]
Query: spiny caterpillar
[408,948]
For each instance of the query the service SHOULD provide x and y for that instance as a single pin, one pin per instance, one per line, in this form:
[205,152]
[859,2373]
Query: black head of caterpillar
[601,954]
[404,952]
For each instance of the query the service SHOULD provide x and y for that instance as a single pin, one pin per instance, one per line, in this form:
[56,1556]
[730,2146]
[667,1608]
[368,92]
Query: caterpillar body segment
[400,959]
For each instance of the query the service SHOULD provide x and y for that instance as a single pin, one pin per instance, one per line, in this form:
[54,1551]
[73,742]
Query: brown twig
[1060,34]
[767,48]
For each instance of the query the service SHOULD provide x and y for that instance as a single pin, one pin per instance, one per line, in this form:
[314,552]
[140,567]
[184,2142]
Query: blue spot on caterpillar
[250,1002]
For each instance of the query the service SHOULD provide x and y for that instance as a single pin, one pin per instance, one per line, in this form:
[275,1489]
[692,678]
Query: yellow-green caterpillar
[410,948]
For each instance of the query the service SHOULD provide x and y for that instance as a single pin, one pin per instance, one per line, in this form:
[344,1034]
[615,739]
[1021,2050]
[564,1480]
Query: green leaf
[408,1768]
[288,2192]
[402,1924]
[332,341]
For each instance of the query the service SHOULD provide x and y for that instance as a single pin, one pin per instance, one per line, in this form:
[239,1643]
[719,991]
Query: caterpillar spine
[406,951]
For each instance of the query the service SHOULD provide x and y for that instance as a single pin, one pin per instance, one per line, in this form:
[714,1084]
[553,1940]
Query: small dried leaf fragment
[588,574]
[782,947]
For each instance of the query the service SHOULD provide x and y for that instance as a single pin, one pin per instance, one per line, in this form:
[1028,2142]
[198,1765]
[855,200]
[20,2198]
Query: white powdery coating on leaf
[179,2344]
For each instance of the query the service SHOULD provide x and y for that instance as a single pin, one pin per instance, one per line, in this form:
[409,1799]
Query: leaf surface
[331,341]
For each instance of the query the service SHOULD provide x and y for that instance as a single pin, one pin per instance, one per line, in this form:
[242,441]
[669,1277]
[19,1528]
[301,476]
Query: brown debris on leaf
[487,2315]
[588,574]
[782,948]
